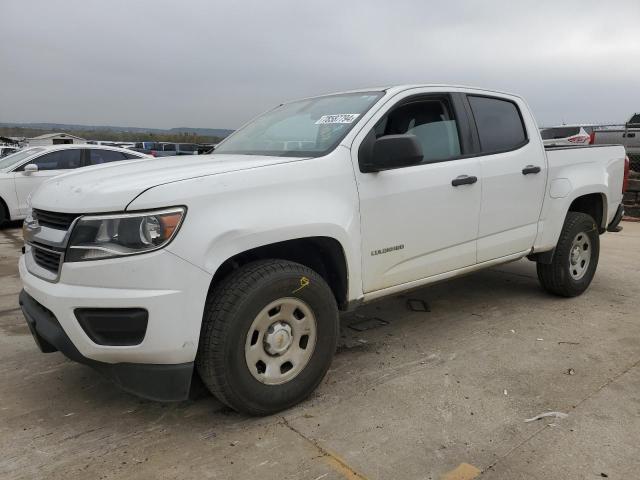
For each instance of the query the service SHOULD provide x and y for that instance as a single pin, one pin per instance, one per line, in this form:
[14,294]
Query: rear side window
[187,147]
[499,124]
[97,157]
[169,147]
[60,160]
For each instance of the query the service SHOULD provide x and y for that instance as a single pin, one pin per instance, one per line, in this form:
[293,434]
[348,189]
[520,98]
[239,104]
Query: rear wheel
[575,259]
[268,336]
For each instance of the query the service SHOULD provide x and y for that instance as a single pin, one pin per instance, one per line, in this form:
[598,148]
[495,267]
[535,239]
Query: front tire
[4,213]
[575,258]
[268,336]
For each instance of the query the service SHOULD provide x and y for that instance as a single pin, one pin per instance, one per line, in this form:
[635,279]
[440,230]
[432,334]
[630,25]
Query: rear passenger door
[514,173]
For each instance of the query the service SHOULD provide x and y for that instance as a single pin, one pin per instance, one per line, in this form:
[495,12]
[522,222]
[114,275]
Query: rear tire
[268,336]
[575,258]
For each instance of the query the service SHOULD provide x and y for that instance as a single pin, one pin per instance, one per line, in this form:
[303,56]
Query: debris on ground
[568,343]
[417,305]
[545,415]
[571,371]
[368,324]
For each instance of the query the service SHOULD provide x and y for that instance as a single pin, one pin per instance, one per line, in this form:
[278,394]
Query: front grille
[48,260]
[60,221]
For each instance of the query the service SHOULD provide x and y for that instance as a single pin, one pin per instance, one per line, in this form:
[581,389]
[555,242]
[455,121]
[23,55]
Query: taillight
[578,139]
[625,181]
[592,138]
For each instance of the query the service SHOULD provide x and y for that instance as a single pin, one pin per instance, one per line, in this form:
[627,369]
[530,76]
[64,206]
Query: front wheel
[268,336]
[575,259]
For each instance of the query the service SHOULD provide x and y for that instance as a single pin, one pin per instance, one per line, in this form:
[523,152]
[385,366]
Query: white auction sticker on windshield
[338,118]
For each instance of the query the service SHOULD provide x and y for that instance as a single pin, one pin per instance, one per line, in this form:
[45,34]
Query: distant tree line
[116,136]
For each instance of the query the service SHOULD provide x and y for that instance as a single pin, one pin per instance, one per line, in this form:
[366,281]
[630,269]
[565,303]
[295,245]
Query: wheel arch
[325,255]
[593,204]
[4,208]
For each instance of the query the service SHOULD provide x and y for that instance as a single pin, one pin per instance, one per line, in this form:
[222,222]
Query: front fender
[233,212]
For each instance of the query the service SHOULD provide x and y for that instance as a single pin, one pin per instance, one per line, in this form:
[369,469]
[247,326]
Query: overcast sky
[199,63]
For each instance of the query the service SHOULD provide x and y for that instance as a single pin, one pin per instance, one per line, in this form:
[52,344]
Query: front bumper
[170,289]
[169,382]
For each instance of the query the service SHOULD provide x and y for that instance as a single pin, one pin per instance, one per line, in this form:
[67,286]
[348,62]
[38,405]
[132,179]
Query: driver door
[49,165]
[416,223]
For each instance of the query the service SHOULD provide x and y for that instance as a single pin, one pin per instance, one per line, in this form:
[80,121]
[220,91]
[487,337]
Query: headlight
[106,236]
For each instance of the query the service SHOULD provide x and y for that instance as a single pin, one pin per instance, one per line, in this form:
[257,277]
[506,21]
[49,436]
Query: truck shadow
[460,305]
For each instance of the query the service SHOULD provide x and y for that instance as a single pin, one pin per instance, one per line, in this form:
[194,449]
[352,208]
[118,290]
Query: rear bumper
[613,226]
[161,382]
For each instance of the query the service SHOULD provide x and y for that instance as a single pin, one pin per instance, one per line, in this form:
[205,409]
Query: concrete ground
[430,395]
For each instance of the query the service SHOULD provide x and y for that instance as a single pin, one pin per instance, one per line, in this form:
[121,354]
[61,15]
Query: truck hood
[111,187]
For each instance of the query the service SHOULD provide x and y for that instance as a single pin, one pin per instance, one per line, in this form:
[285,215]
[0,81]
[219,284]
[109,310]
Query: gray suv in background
[627,135]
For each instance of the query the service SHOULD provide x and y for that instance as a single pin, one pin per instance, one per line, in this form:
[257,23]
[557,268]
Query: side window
[499,124]
[431,121]
[97,157]
[60,160]
[169,147]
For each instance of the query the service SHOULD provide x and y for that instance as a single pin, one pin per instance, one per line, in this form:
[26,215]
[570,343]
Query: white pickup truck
[234,266]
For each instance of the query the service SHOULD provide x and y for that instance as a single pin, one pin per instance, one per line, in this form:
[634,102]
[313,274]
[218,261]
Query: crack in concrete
[338,464]
[573,407]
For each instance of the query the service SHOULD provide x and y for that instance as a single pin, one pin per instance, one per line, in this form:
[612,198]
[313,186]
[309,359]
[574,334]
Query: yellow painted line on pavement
[464,471]
[334,461]
[341,467]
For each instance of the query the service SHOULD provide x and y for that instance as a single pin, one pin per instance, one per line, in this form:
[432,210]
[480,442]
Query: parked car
[148,148]
[627,135]
[172,149]
[7,150]
[567,135]
[238,267]
[22,172]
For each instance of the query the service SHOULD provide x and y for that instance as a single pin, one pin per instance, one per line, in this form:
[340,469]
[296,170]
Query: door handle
[530,169]
[464,180]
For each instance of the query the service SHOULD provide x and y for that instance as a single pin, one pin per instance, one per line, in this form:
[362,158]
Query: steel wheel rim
[280,341]
[579,256]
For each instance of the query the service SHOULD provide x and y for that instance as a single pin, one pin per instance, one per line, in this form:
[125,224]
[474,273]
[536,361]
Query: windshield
[17,157]
[306,128]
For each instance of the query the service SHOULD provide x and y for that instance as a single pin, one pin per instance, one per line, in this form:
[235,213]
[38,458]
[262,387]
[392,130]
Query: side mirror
[30,168]
[394,151]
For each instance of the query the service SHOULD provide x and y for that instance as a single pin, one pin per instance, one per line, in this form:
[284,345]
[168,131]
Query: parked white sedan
[22,172]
